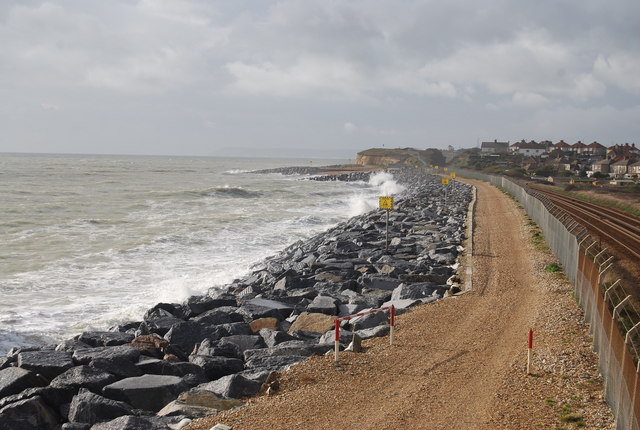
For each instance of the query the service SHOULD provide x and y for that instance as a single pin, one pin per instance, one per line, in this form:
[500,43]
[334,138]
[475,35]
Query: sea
[90,241]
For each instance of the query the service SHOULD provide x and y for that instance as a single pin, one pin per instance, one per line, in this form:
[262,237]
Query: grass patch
[552,268]
[576,419]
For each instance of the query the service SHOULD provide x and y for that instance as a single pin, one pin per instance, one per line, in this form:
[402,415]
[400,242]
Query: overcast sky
[314,78]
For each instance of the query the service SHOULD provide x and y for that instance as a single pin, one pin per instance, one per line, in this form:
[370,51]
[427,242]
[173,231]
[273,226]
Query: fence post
[337,339]
[392,323]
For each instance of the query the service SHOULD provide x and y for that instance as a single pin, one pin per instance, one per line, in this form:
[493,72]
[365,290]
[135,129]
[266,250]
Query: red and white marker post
[529,348]
[392,323]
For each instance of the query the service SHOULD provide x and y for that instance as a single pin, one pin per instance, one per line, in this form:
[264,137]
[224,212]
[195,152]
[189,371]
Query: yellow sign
[445,181]
[453,175]
[436,167]
[446,168]
[386,203]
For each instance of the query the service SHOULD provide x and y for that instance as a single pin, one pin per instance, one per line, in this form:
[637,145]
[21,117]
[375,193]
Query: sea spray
[383,184]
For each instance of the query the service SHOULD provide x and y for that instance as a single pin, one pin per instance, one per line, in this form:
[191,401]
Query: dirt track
[458,363]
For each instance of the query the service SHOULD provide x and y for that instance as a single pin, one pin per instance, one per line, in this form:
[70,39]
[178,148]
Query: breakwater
[189,359]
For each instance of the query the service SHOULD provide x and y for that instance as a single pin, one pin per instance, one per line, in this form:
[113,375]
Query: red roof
[578,144]
[596,145]
[562,144]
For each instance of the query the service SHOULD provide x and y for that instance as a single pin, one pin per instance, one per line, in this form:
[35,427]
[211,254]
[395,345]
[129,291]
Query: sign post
[386,203]
[445,182]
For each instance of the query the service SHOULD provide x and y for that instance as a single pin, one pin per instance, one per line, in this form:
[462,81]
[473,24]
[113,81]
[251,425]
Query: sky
[314,78]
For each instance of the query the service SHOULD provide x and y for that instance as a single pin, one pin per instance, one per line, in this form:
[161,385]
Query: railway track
[618,229]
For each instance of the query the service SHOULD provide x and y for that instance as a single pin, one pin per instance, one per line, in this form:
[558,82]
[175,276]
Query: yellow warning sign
[386,203]
[445,181]
[446,168]
[453,175]
[436,167]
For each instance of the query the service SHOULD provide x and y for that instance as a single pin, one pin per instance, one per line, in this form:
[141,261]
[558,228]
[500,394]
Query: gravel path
[459,362]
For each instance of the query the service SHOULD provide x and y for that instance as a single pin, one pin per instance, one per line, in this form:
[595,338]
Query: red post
[392,323]
[529,348]
[337,339]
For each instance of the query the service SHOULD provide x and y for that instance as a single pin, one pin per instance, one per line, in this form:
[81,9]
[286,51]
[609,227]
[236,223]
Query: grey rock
[47,363]
[243,342]
[105,338]
[132,422]
[163,367]
[225,315]
[264,308]
[87,407]
[29,414]
[146,392]
[270,362]
[217,367]
[369,321]
[324,304]
[274,337]
[233,387]
[187,334]
[330,336]
[378,282]
[122,352]
[379,331]
[120,367]
[416,291]
[13,380]
[201,304]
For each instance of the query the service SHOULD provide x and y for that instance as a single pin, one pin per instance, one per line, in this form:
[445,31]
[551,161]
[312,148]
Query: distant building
[494,147]
[602,166]
[562,146]
[620,168]
[578,147]
[531,149]
[596,149]
[634,169]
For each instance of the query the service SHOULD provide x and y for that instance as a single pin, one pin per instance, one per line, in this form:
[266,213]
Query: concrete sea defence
[191,359]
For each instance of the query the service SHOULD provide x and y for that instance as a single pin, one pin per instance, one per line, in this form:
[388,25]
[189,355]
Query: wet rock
[201,304]
[163,367]
[187,334]
[218,316]
[120,367]
[244,342]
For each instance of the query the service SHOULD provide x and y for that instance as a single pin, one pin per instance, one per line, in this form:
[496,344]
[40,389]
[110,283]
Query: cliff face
[407,156]
[376,160]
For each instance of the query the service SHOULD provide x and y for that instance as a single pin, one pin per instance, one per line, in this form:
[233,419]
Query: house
[620,168]
[634,169]
[494,147]
[531,149]
[602,166]
[596,149]
[578,147]
[562,146]
[619,152]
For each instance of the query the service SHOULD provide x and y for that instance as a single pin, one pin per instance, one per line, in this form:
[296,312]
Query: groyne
[190,359]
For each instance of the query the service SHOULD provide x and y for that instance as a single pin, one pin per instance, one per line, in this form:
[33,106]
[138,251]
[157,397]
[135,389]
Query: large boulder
[369,320]
[201,304]
[164,367]
[244,342]
[324,305]
[274,337]
[187,334]
[146,392]
[232,387]
[47,363]
[312,322]
[14,380]
[223,315]
[133,422]
[273,363]
[123,352]
[417,291]
[120,367]
[379,282]
[90,408]
[29,414]
[105,338]
[264,308]
[217,367]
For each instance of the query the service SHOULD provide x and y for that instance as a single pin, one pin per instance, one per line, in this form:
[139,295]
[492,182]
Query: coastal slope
[460,362]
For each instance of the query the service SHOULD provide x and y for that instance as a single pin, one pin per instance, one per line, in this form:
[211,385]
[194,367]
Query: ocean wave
[236,171]
[223,191]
